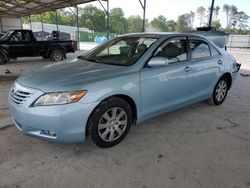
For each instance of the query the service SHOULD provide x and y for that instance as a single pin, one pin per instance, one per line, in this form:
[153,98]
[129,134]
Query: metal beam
[211,14]
[21,10]
[108,21]
[143,5]
[30,22]
[21,23]
[42,24]
[77,25]
[106,10]
[56,21]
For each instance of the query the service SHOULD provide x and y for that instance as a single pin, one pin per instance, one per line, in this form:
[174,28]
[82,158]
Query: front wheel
[220,91]
[3,58]
[110,122]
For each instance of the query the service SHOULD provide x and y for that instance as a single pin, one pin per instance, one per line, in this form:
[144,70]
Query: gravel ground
[198,146]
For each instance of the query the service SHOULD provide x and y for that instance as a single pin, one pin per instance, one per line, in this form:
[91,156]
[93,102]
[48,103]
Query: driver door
[21,44]
[168,86]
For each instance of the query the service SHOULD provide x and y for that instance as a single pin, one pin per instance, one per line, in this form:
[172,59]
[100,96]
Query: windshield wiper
[81,57]
[95,60]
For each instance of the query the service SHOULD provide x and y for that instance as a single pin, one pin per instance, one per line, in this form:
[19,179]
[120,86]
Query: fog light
[49,133]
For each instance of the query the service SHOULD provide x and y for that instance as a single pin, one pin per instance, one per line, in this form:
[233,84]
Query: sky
[171,9]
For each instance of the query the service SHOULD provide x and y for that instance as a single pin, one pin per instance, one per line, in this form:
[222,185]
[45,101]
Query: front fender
[128,85]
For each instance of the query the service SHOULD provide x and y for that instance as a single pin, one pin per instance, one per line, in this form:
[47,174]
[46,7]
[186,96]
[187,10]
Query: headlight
[59,98]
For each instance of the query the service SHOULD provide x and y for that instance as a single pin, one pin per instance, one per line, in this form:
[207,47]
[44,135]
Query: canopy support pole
[211,14]
[77,25]
[56,21]
[30,22]
[42,25]
[107,14]
[143,5]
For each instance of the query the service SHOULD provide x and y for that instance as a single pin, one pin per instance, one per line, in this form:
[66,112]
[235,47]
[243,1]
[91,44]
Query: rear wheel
[57,55]
[110,122]
[220,91]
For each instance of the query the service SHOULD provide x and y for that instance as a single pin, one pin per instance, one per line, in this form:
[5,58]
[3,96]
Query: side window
[199,49]
[26,37]
[174,50]
[16,37]
[128,47]
[214,51]
[116,49]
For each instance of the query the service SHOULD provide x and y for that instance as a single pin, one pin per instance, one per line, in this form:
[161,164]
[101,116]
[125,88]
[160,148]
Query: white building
[9,23]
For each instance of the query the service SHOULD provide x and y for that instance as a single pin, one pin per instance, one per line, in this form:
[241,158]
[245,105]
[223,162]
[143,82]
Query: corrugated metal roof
[20,8]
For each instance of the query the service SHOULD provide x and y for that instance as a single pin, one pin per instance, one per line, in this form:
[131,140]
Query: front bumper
[60,123]
[237,67]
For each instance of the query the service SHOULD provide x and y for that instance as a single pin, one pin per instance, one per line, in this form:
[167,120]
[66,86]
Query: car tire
[220,91]
[57,55]
[3,58]
[109,123]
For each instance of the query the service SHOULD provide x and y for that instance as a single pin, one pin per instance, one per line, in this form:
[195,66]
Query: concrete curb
[8,77]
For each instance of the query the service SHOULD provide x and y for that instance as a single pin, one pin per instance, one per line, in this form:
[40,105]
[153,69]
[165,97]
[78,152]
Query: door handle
[187,68]
[219,62]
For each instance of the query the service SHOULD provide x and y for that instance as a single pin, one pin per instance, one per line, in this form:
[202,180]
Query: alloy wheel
[112,124]
[221,90]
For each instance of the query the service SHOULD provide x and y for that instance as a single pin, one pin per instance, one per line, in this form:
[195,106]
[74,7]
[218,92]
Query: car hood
[69,75]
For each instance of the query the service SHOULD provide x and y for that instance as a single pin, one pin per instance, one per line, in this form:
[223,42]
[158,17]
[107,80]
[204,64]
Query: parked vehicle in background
[125,81]
[1,34]
[22,43]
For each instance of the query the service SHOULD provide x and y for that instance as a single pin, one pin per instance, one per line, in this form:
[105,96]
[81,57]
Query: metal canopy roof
[20,8]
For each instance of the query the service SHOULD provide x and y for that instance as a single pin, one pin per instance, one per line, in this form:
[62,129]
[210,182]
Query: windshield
[122,51]
[6,35]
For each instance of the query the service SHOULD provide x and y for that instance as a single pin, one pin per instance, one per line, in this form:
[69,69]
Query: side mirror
[158,62]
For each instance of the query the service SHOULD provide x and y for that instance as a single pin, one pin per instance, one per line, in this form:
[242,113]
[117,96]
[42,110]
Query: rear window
[199,49]
[214,51]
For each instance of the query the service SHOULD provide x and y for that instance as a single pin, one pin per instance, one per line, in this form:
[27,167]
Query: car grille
[19,95]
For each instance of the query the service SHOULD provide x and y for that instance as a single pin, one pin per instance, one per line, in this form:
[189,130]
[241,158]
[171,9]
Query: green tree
[232,13]
[92,18]
[183,23]
[64,17]
[118,22]
[226,9]
[240,20]
[216,12]
[134,24]
[160,23]
[216,24]
[171,25]
[201,14]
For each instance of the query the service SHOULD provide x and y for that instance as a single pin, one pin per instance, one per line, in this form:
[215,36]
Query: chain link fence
[239,41]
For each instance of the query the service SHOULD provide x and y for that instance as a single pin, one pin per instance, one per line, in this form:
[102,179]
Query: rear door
[167,86]
[206,63]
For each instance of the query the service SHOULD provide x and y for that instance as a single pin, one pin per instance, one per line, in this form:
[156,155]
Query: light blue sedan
[123,82]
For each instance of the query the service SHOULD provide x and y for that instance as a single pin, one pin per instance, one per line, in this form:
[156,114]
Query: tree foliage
[201,14]
[184,22]
[92,18]
[160,23]
[118,23]
[95,19]
[134,24]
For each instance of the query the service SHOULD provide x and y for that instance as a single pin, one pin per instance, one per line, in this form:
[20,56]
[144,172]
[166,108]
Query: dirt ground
[200,146]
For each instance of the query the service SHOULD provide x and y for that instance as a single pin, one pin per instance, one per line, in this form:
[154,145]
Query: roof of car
[161,34]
